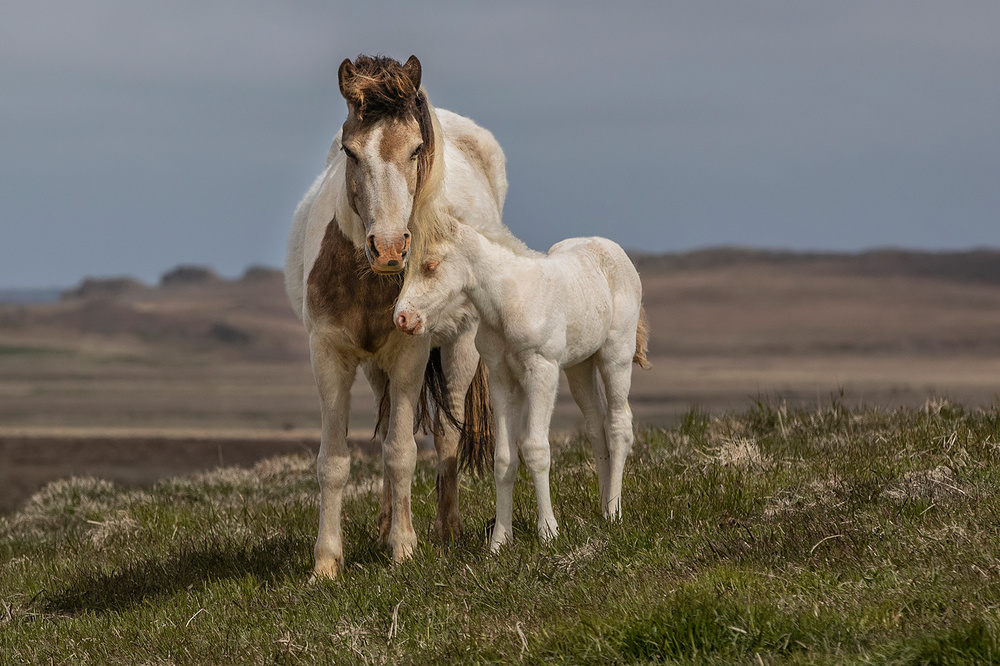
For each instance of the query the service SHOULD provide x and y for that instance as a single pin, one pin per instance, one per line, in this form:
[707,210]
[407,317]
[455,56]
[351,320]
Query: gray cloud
[140,136]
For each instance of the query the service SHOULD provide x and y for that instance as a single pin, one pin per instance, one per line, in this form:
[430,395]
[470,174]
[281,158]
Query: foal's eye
[416,152]
[349,153]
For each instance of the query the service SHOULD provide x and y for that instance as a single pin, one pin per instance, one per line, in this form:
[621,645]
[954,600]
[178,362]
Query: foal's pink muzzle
[409,322]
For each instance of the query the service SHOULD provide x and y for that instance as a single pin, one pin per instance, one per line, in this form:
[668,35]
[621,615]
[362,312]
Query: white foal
[578,308]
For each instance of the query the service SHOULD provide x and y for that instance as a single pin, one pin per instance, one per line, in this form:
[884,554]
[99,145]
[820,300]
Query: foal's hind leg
[459,361]
[617,376]
[581,384]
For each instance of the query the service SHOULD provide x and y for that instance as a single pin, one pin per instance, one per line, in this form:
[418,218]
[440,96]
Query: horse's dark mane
[379,87]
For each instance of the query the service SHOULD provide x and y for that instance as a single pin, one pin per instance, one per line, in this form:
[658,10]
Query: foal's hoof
[497,537]
[547,533]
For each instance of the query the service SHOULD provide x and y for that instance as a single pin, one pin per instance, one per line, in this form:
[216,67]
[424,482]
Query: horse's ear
[412,70]
[345,74]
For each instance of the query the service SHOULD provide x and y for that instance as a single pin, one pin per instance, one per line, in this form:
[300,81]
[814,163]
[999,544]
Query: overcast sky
[135,136]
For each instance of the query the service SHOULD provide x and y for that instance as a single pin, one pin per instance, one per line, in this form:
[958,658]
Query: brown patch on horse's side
[642,341]
[343,290]
[477,442]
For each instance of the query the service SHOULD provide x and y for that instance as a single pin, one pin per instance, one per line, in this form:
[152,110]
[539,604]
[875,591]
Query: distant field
[826,535]
[728,326]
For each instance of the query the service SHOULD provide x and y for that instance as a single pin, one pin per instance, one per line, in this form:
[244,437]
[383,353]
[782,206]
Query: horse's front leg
[541,384]
[379,381]
[334,373]
[399,449]
[459,361]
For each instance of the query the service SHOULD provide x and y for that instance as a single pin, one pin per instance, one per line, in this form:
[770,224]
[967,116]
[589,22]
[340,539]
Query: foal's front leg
[508,402]
[399,449]
[334,375]
[541,384]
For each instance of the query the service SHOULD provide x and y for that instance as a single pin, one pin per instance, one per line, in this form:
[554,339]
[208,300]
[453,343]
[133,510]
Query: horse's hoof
[448,529]
[384,526]
[402,546]
[326,570]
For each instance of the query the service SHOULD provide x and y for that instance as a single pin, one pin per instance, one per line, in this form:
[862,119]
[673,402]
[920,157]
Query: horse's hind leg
[379,381]
[334,375]
[459,361]
[617,376]
[582,385]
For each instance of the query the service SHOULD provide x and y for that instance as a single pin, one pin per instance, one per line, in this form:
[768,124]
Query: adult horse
[398,169]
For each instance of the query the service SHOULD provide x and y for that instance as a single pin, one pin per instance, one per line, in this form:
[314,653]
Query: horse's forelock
[377,87]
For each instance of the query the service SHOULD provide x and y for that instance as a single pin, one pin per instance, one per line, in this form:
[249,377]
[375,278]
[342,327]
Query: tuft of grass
[773,536]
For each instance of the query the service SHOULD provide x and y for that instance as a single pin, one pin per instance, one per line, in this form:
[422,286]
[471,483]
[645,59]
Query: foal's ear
[344,75]
[412,70]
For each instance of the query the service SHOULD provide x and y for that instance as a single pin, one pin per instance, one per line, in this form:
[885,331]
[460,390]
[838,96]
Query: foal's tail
[642,341]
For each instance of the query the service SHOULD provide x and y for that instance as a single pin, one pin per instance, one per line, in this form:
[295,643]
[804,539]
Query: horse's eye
[431,266]
[416,152]
[349,153]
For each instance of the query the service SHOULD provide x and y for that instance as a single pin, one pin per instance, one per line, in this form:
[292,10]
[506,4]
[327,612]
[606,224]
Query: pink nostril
[407,322]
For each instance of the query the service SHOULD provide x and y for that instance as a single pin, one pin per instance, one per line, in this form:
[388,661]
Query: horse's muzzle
[387,255]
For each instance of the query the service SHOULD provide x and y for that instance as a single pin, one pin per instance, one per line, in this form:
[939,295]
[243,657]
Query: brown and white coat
[399,173]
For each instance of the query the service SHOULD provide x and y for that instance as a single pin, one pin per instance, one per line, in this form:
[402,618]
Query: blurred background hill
[197,363]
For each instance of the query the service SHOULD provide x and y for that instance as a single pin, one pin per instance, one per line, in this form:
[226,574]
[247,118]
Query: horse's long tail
[642,341]
[477,442]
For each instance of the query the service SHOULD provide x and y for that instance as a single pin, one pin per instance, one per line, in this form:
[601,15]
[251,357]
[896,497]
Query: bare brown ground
[154,382]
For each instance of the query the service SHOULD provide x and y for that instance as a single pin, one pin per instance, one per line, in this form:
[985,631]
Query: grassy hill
[775,536]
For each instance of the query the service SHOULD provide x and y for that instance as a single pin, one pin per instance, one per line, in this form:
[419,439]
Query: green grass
[774,536]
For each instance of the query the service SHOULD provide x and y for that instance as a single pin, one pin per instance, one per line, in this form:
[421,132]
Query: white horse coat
[578,308]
